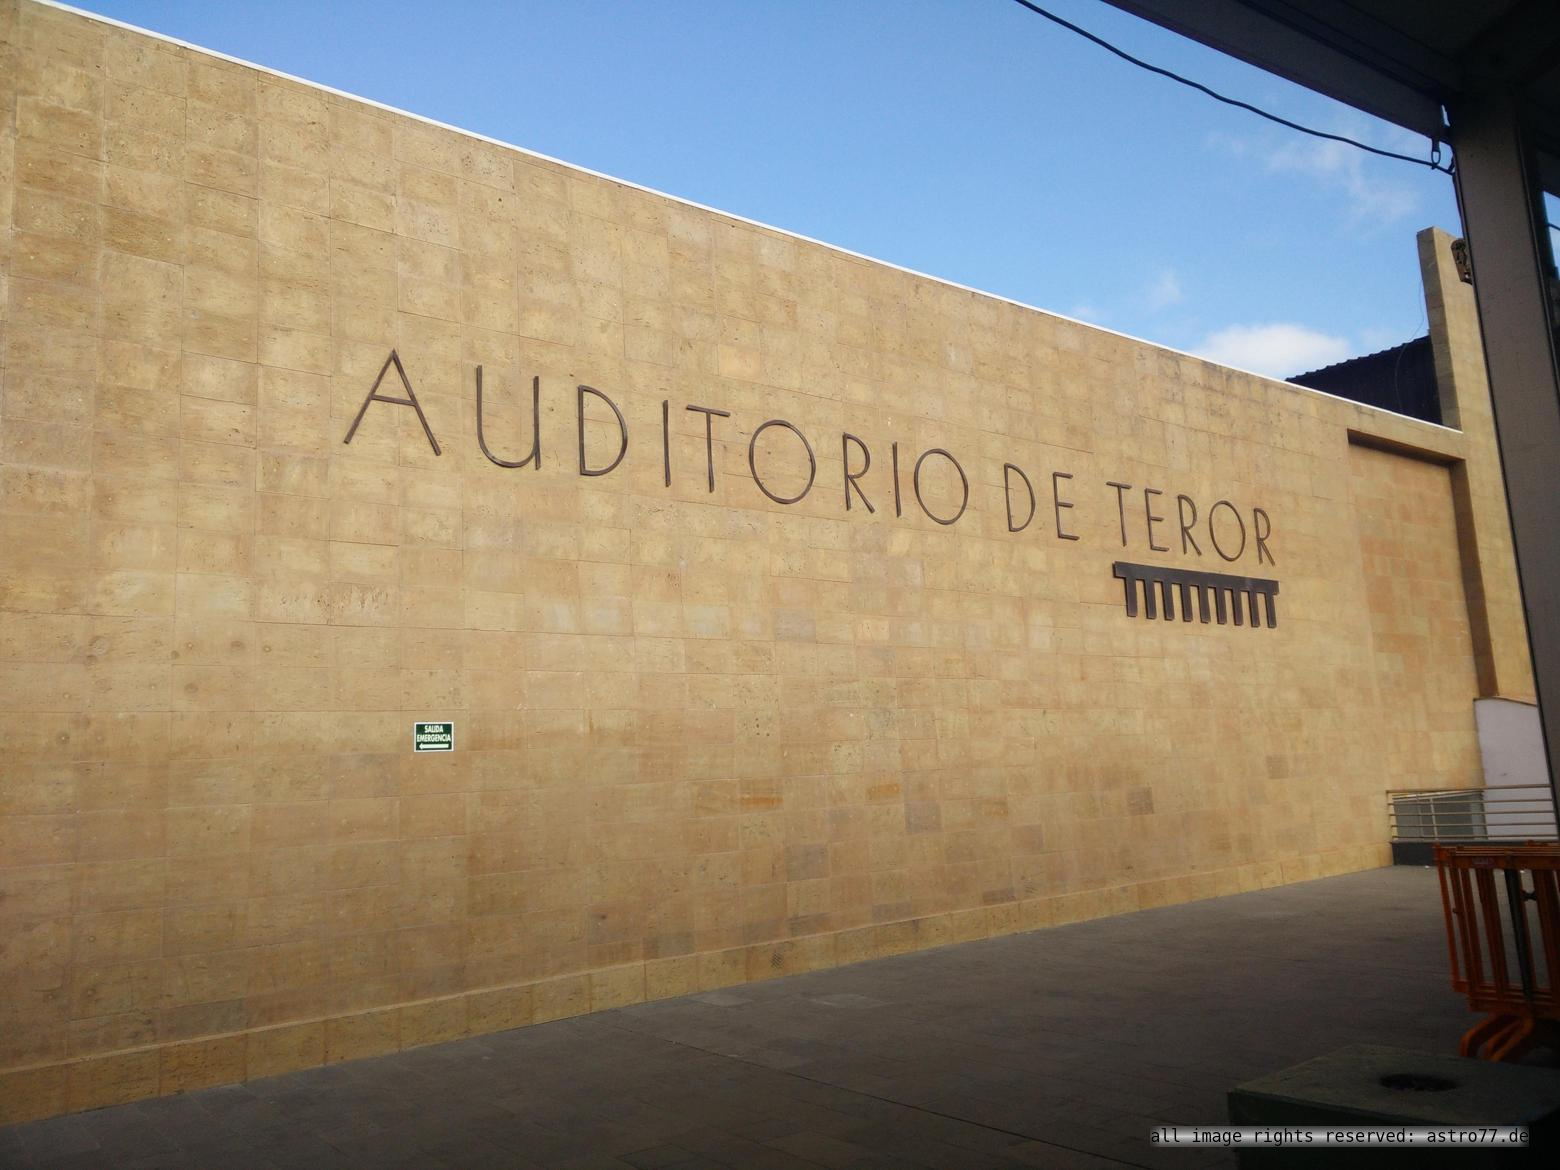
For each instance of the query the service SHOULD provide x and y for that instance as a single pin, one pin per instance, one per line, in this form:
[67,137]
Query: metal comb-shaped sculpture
[1220,597]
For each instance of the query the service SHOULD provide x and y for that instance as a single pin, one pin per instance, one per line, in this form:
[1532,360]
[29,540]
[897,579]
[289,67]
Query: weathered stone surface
[703,735]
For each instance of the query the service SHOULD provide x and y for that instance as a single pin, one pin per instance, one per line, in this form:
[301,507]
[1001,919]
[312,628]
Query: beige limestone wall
[1479,489]
[701,736]
[1421,637]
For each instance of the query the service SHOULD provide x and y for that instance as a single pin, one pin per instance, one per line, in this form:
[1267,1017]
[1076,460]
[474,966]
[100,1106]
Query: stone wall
[702,735]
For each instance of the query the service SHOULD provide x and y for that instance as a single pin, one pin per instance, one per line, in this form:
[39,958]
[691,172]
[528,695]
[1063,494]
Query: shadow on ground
[1059,1048]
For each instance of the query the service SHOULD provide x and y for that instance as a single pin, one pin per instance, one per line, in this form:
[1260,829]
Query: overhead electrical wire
[1433,162]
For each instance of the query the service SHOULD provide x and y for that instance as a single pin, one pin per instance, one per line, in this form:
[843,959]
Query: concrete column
[1510,257]
[1496,621]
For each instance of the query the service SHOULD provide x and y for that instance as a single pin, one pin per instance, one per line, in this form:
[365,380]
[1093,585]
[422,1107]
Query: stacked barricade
[1502,907]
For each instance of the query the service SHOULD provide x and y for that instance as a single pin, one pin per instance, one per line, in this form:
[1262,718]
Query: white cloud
[1086,312]
[1164,291]
[1372,201]
[1279,350]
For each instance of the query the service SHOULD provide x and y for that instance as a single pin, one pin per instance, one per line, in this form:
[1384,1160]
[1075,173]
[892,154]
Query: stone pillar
[1500,645]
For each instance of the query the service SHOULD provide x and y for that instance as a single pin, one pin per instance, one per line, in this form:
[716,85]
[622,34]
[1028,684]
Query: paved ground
[1055,1049]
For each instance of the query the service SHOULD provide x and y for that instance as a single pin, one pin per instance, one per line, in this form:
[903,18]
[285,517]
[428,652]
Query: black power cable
[1433,162]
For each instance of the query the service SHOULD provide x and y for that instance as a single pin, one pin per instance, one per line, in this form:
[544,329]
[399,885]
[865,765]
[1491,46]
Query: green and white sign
[433,737]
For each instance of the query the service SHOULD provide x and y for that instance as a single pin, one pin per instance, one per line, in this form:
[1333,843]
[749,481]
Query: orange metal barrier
[1502,906]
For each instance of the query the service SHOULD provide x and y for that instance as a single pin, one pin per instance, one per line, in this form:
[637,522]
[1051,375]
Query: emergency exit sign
[433,737]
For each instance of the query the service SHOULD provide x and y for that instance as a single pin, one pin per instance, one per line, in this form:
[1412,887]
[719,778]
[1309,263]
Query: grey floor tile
[1059,1048]
[58,1138]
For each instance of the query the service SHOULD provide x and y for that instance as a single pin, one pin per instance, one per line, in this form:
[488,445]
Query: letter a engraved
[410,400]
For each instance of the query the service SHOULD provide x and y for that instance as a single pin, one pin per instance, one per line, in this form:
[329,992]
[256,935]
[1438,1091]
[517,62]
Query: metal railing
[1502,907]
[1519,812]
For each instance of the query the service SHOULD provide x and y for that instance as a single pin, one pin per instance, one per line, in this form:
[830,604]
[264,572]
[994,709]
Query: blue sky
[968,139]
